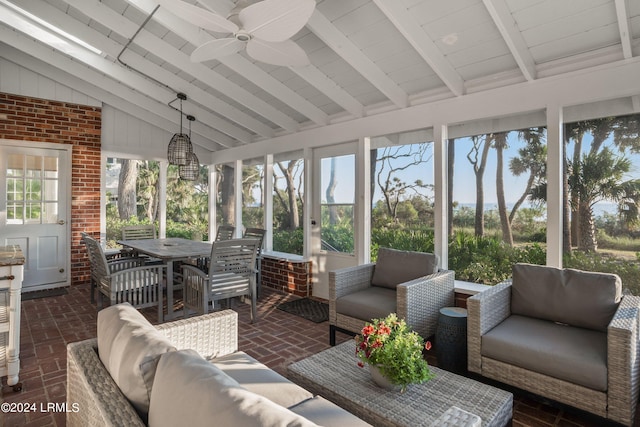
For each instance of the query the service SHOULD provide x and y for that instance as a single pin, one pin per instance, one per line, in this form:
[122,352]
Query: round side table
[451,339]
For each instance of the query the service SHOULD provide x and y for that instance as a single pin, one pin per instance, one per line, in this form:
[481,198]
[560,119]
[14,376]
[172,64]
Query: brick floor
[277,339]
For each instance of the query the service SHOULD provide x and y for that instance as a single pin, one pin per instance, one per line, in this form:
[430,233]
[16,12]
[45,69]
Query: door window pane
[337,207]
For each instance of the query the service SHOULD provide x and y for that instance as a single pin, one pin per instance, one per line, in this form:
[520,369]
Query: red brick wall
[41,120]
[287,276]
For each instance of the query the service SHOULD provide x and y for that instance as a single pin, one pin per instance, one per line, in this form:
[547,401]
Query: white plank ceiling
[366,56]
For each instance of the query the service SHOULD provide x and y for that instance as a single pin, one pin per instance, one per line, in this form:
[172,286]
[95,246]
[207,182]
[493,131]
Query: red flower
[384,330]
[427,345]
[367,330]
[361,364]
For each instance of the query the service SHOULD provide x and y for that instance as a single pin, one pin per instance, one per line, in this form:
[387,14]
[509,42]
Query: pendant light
[191,170]
[180,148]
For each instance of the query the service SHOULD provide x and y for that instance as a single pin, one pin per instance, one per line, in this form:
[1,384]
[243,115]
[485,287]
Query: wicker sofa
[567,335]
[187,372]
[403,282]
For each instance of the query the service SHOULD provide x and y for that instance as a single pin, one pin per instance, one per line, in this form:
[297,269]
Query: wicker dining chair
[125,279]
[231,273]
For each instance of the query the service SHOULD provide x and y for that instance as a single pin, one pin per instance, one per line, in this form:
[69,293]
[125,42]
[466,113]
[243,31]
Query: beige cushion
[257,378]
[129,347]
[565,352]
[189,391]
[578,298]
[394,267]
[327,414]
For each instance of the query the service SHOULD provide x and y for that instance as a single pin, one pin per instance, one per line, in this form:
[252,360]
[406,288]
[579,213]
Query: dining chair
[225,232]
[125,279]
[257,233]
[110,255]
[231,273]
[139,232]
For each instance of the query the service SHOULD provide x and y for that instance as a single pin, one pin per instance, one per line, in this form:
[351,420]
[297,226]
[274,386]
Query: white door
[34,209]
[333,226]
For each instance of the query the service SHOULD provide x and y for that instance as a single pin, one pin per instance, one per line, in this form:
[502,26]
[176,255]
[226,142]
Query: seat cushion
[394,267]
[327,414]
[190,391]
[129,347]
[371,303]
[578,298]
[257,378]
[576,355]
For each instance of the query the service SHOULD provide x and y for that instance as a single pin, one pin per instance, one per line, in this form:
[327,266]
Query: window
[402,192]
[288,206]
[338,194]
[32,189]
[498,203]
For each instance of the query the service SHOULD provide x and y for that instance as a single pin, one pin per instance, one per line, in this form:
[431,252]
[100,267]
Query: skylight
[50,34]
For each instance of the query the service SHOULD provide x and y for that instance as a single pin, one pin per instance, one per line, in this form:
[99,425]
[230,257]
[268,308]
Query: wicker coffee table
[334,375]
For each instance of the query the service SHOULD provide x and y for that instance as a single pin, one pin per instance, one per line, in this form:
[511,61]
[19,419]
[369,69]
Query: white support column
[307,213]
[103,197]
[213,196]
[362,212]
[441,243]
[555,164]
[237,188]
[162,199]
[267,198]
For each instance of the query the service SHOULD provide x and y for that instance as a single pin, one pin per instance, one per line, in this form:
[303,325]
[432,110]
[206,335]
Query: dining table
[170,250]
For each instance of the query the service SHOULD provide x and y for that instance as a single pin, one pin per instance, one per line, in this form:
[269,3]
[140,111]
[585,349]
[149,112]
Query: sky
[464,178]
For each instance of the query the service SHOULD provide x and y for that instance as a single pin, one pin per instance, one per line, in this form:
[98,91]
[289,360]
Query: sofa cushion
[576,355]
[190,391]
[371,303]
[394,267]
[327,414]
[129,347]
[257,378]
[579,298]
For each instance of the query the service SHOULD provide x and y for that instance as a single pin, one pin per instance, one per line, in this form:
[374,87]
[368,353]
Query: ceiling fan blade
[221,7]
[276,20]
[286,53]
[215,49]
[199,16]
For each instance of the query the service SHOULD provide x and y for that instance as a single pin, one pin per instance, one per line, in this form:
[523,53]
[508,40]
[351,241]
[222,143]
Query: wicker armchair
[125,279]
[231,272]
[356,294]
[506,355]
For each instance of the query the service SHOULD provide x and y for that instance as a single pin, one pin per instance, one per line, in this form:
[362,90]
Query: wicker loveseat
[403,282]
[188,372]
[567,335]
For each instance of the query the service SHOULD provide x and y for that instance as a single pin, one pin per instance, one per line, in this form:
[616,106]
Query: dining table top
[169,248]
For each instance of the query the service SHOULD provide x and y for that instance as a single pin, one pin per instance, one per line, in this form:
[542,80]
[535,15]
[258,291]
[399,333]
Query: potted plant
[393,351]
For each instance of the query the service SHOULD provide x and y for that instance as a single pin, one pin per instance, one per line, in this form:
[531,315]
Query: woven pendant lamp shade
[191,170]
[180,149]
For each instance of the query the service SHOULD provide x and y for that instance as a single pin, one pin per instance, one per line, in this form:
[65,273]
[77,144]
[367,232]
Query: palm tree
[500,143]
[599,176]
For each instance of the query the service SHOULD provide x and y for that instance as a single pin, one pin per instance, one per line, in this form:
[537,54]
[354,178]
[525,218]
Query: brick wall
[34,119]
[292,277]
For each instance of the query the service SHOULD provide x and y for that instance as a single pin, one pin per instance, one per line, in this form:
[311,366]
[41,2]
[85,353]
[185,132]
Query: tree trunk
[587,241]
[294,216]
[333,183]
[500,144]
[227,195]
[372,168]
[566,208]
[127,201]
[575,198]
[451,157]
[479,172]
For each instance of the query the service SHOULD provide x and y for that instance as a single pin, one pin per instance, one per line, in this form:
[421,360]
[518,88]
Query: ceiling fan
[262,28]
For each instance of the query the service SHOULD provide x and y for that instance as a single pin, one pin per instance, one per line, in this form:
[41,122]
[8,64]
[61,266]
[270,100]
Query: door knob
[61,222]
